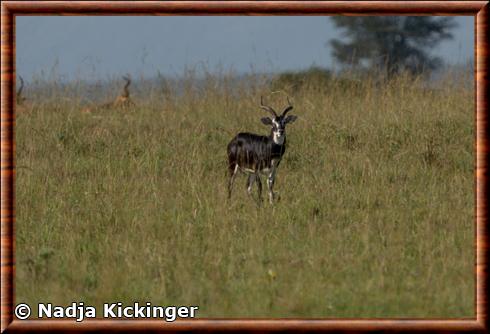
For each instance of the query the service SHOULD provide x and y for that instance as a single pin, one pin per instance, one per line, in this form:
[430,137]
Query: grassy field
[376,216]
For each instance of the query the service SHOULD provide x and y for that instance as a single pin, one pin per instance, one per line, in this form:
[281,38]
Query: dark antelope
[254,154]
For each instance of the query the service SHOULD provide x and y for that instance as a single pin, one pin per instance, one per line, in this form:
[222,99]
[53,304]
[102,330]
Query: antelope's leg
[270,184]
[259,186]
[232,180]
[250,183]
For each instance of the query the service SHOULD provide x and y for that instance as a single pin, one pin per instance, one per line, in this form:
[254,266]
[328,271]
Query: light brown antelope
[122,101]
[19,98]
[22,105]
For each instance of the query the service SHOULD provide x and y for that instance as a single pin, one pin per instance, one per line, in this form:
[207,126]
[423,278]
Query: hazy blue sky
[93,47]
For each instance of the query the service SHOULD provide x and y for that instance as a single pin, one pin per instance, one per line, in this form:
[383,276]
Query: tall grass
[375,218]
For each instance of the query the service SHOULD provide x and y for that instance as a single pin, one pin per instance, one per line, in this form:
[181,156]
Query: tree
[391,43]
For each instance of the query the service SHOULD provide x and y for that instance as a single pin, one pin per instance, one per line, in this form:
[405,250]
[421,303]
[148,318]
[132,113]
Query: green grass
[376,216]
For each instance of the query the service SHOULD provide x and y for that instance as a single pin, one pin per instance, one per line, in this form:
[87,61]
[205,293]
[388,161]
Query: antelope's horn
[288,108]
[267,108]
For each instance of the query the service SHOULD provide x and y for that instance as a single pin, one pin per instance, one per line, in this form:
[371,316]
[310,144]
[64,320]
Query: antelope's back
[247,142]
[250,150]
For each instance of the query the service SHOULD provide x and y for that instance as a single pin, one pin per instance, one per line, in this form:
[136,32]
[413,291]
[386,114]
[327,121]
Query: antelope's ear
[266,120]
[290,119]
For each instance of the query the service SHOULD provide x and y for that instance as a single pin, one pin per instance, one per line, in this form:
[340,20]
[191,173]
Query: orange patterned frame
[478,9]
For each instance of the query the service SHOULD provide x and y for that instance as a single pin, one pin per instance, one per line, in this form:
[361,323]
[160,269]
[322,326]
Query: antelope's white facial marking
[277,132]
[278,138]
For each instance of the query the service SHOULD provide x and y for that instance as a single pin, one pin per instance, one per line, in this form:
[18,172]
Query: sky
[98,47]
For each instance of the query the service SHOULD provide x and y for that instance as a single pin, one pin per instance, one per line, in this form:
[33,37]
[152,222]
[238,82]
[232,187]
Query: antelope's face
[278,126]
[277,122]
